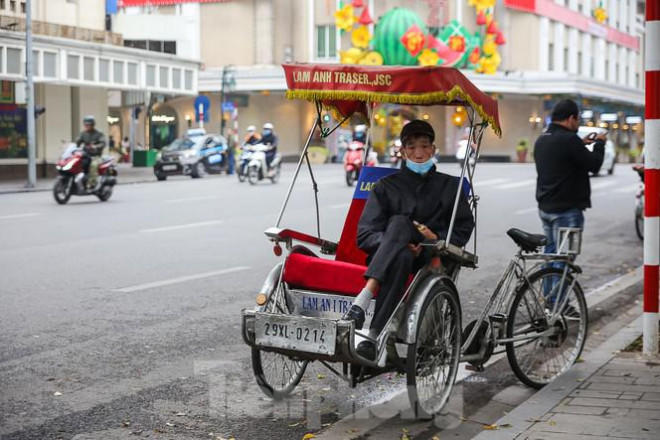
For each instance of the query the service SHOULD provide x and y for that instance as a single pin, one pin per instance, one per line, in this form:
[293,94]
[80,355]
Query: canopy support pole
[317,122]
[466,159]
[367,149]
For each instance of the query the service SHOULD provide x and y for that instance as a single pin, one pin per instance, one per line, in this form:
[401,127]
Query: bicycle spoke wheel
[549,320]
[277,375]
[432,361]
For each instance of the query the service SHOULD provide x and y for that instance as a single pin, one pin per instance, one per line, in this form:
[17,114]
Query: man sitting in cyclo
[403,210]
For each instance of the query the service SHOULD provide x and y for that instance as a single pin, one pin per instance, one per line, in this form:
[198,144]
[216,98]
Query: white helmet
[268,126]
[360,128]
[251,129]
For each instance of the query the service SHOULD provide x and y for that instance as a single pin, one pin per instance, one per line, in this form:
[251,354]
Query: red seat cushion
[313,273]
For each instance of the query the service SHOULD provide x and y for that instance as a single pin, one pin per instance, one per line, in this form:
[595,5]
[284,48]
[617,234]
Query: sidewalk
[612,395]
[126,174]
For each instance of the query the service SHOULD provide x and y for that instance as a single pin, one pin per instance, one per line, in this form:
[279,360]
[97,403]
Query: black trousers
[392,264]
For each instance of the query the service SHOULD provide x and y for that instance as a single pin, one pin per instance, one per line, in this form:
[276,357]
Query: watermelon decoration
[388,34]
[456,36]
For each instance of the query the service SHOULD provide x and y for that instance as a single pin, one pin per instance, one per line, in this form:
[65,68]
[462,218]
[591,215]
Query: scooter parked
[72,180]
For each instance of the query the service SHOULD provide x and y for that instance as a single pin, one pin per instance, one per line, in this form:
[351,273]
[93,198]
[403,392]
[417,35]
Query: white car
[610,151]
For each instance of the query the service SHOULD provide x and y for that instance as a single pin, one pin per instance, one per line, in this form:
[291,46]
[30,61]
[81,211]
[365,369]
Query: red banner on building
[130,3]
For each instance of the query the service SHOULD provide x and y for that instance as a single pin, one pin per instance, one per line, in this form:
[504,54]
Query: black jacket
[563,164]
[427,199]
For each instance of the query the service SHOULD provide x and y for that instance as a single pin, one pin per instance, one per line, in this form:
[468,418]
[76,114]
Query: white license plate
[169,167]
[311,335]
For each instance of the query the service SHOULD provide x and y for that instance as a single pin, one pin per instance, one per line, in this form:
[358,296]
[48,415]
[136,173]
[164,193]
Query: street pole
[652,179]
[222,100]
[29,66]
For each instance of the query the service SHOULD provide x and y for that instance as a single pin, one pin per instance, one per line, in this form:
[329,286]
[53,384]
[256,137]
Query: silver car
[610,151]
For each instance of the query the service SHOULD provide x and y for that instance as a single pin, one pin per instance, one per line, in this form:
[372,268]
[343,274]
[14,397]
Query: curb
[525,415]
[20,190]
[361,419]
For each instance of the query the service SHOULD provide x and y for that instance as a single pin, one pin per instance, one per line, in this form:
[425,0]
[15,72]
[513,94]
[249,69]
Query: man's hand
[426,232]
[593,137]
[416,249]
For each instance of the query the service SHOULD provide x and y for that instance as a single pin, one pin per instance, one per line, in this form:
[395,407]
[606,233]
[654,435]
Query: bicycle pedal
[475,368]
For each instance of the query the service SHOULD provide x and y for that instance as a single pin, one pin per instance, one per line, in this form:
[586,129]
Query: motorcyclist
[93,143]
[360,133]
[269,138]
[251,136]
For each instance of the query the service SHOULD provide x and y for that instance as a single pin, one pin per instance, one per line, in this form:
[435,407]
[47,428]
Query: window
[155,46]
[88,69]
[189,80]
[73,66]
[14,62]
[169,47]
[136,44]
[3,4]
[176,78]
[12,5]
[607,70]
[36,68]
[118,71]
[579,63]
[326,41]
[23,7]
[132,74]
[164,77]
[50,64]
[551,57]
[151,75]
[104,70]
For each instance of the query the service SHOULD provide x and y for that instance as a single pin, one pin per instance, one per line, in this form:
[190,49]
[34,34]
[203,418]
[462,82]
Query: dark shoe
[367,350]
[355,314]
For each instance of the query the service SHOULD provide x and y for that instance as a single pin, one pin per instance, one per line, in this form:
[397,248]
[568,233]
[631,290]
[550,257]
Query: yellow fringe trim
[395,98]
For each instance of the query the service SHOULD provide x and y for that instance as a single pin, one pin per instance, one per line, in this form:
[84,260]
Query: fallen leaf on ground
[308,436]
[159,431]
[57,393]
[293,425]
[171,425]
[320,376]
[491,427]
[180,414]
[352,431]
[506,425]
[552,423]
[125,423]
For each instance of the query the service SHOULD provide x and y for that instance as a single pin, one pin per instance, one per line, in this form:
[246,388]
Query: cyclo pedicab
[298,318]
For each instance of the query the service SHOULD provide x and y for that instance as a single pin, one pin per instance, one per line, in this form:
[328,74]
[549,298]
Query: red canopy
[348,88]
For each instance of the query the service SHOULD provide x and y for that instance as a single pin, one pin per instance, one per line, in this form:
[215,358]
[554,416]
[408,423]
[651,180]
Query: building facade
[80,69]
[555,49]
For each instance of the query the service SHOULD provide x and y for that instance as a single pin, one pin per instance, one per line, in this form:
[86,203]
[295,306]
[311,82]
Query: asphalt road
[121,319]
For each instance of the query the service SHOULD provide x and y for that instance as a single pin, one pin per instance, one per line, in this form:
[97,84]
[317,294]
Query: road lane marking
[527,211]
[478,184]
[182,279]
[191,199]
[8,217]
[520,184]
[602,185]
[627,189]
[186,226]
[339,206]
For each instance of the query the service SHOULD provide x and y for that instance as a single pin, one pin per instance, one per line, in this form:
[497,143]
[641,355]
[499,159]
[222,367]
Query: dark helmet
[89,119]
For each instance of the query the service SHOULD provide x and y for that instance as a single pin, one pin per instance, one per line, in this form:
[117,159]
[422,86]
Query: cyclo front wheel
[277,375]
[550,340]
[432,361]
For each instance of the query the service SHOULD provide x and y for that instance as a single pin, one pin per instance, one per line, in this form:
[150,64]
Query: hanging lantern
[365,18]
[492,28]
[457,118]
[481,18]
[358,3]
[499,39]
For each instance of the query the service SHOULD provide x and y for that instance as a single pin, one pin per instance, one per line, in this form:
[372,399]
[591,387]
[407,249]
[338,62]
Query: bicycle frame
[501,298]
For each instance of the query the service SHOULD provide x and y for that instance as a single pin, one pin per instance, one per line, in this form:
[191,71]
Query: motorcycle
[353,161]
[257,169]
[639,204]
[243,162]
[72,181]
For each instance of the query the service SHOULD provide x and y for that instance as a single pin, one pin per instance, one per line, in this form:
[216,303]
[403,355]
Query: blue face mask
[419,168]
[267,132]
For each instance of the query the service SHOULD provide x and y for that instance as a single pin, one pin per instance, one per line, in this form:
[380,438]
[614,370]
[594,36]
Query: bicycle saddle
[527,242]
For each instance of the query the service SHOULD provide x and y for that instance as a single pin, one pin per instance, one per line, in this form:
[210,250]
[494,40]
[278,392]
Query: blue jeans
[552,221]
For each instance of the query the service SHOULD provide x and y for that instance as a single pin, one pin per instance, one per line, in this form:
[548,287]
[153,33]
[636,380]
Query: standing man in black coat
[563,164]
